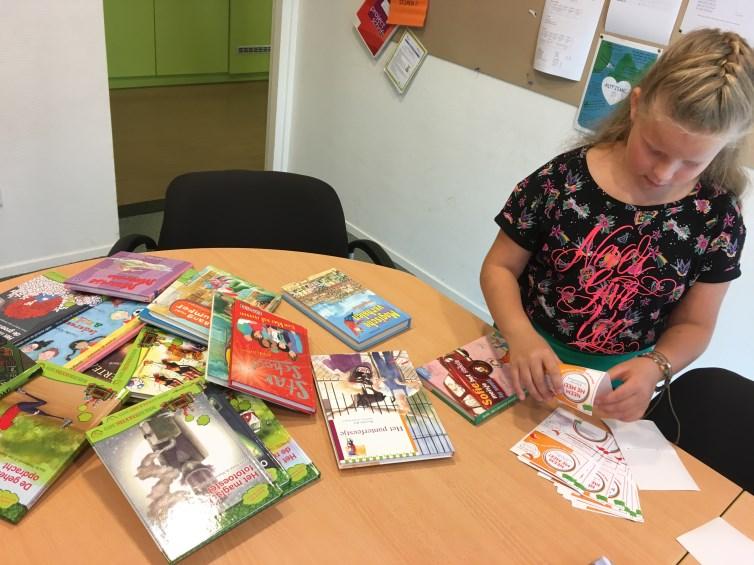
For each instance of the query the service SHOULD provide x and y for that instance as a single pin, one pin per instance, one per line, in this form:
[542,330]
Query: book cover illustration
[134,276]
[38,304]
[352,312]
[182,468]
[107,368]
[270,358]
[44,414]
[188,306]
[472,379]
[66,341]
[159,361]
[376,410]
[372,26]
[13,362]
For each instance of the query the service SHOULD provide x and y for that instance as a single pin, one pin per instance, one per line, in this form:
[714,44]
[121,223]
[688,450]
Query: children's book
[66,342]
[108,345]
[38,304]
[356,315]
[376,410]
[133,276]
[44,414]
[218,346]
[472,379]
[107,368]
[270,358]
[372,26]
[13,362]
[182,468]
[185,308]
[159,361]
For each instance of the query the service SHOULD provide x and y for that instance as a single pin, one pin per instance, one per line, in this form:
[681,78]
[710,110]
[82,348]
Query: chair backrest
[264,209]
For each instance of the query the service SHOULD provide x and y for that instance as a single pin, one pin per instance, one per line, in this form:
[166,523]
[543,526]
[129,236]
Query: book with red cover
[270,358]
[372,25]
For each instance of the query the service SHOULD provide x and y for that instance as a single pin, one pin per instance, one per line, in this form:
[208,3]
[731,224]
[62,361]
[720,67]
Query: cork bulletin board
[499,38]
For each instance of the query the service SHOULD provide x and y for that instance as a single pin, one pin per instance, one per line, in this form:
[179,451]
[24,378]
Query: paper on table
[648,20]
[651,458]
[733,15]
[565,35]
[718,542]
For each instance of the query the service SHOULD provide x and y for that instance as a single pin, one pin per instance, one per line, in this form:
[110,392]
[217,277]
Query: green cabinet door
[250,25]
[129,36]
[191,36]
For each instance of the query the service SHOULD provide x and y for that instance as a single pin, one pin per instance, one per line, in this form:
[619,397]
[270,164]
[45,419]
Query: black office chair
[264,209]
[715,411]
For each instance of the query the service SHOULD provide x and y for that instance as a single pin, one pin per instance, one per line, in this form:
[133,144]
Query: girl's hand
[629,401]
[534,367]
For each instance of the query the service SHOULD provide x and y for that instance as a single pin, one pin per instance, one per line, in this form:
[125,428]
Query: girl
[617,255]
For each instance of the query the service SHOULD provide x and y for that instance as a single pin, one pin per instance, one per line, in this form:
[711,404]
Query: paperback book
[159,361]
[36,305]
[108,367]
[13,362]
[472,379]
[218,345]
[270,358]
[356,315]
[376,410]
[133,276]
[182,468]
[66,342]
[185,307]
[44,415]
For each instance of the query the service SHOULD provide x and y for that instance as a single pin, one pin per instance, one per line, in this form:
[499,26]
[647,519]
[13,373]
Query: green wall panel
[129,36]
[250,25]
[191,36]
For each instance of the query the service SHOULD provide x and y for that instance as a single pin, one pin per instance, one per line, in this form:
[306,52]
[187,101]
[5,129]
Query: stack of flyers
[584,463]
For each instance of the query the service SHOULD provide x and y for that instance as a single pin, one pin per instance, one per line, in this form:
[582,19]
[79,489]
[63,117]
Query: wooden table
[481,506]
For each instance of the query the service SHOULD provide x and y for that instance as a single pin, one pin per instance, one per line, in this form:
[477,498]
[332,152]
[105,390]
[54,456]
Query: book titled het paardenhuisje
[472,379]
[376,410]
[44,415]
[270,358]
[182,469]
[38,304]
[133,276]
[354,314]
[184,308]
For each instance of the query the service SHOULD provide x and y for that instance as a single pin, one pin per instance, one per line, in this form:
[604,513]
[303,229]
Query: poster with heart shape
[617,67]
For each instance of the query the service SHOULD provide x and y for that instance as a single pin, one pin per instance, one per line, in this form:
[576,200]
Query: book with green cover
[182,468]
[44,415]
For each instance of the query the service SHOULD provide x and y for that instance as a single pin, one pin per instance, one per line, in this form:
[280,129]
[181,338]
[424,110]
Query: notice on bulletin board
[405,61]
[617,67]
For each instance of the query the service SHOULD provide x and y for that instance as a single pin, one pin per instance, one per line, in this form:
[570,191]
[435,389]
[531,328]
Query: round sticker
[560,460]
[575,387]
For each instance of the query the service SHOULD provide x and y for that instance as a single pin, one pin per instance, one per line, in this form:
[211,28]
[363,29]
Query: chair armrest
[131,242]
[374,250]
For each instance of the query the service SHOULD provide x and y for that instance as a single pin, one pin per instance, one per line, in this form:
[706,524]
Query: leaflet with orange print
[410,13]
[582,386]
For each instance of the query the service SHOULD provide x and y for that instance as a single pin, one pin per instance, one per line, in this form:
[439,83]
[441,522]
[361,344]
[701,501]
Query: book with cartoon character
[159,361]
[185,307]
[376,411]
[472,379]
[38,304]
[182,468]
[133,276]
[354,314]
[44,414]
[13,362]
[270,358]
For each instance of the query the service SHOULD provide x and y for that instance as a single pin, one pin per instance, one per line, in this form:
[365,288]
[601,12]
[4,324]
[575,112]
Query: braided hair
[705,83]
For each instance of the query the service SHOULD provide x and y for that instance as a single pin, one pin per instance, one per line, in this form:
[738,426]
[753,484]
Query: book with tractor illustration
[38,304]
[88,336]
[270,358]
[472,379]
[376,410]
[185,308]
[159,361]
[13,362]
[182,468]
[133,276]
[354,314]
[44,415]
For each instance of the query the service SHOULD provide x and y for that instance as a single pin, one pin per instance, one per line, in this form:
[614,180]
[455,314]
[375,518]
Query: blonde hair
[705,83]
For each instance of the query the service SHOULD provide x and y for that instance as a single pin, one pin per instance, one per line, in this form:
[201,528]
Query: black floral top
[604,275]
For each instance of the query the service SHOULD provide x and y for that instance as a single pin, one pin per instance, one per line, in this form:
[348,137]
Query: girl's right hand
[534,367]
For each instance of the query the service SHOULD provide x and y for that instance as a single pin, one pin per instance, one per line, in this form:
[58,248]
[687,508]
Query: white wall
[424,174]
[57,180]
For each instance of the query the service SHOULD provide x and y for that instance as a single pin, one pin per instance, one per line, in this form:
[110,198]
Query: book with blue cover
[356,315]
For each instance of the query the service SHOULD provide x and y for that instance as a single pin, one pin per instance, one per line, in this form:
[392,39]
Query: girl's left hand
[630,400]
